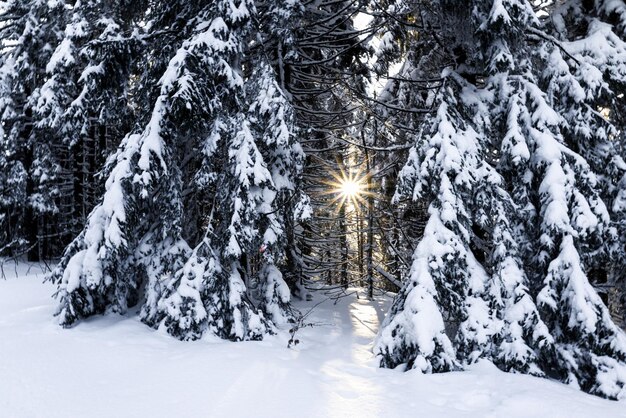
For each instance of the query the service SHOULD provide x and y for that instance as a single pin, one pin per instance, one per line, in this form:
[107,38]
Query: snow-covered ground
[117,367]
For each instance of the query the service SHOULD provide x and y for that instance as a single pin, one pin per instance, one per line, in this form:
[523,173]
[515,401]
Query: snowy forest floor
[114,366]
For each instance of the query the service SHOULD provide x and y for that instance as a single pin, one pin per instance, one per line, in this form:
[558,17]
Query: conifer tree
[273,120]
[245,170]
[87,79]
[31,32]
[585,82]
[530,152]
[135,232]
[251,158]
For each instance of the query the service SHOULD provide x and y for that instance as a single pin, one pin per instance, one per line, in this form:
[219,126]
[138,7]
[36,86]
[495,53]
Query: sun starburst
[349,188]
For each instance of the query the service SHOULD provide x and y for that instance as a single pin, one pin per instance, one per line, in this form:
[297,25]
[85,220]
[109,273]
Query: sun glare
[349,189]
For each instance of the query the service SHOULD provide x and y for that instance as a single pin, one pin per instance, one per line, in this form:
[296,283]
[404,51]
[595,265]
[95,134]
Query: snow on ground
[117,367]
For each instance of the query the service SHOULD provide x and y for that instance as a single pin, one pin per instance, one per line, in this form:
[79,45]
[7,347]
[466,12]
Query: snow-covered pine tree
[404,44]
[30,33]
[245,191]
[515,128]
[209,293]
[468,247]
[585,81]
[539,161]
[575,220]
[440,168]
[218,134]
[82,97]
[278,23]
[523,342]
[417,333]
[250,157]
[133,237]
[124,243]
[272,121]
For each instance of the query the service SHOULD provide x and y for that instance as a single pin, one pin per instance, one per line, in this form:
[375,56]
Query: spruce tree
[273,122]
[31,33]
[576,183]
[250,158]
[133,235]
[529,180]
[87,81]
[586,82]
[194,197]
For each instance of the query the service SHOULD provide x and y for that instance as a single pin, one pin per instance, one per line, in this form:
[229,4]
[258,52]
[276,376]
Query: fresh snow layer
[115,366]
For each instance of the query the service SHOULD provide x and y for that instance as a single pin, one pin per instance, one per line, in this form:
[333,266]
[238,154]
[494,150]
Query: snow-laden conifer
[586,80]
[194,196]
[209,293]
[536,218]
[87,74]
[29,35]
[446,280]
[273,120]
[105,266]
[573,219]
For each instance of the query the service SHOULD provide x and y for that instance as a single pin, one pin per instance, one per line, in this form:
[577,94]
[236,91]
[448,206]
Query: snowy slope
[118,367]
